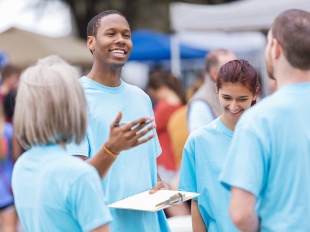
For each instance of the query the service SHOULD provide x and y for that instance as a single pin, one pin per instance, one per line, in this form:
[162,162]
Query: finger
[165,187]
[142,125]
[117,119]
[145,131]
[153,191]
[144,140]
[157,187]
[140,121]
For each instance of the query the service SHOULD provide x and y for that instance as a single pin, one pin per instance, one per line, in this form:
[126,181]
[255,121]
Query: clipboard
[153,202]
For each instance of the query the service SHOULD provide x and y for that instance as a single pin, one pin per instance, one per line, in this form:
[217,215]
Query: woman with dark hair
[237,85]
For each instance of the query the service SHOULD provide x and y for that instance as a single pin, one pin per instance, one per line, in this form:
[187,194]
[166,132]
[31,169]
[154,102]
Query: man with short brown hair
[267,168]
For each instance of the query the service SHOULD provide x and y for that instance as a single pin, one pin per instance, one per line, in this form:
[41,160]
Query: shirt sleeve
[199,114]
[246,165]
[79,149]
[86,200]
[188,180]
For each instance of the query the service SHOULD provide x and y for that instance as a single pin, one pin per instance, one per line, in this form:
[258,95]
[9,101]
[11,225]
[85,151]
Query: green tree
[151,14]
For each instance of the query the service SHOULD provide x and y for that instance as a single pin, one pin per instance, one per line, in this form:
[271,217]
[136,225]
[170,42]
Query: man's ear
[90,42]
[213,73]
[276,48]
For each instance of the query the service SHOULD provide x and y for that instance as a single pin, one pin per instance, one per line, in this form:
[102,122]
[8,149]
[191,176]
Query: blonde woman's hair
[50,104]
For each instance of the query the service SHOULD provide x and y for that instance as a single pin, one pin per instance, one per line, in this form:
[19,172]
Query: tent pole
[175,56]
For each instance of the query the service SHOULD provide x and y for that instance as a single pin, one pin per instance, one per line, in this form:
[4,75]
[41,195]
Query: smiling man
[134,170]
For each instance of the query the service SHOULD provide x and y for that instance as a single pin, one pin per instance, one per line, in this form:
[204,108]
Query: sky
[53,20]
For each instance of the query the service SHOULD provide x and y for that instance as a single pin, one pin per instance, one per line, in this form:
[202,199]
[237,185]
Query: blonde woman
[53,190]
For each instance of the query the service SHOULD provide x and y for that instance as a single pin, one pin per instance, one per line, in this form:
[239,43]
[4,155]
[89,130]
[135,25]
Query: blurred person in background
[169,95]
[237,85]
[268,165]
[8,215]
[203,107]
[178,130]
[9,82]
[10,79]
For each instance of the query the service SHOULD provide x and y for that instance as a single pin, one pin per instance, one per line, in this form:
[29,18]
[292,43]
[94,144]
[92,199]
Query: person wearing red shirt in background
[169,95]
[10,148]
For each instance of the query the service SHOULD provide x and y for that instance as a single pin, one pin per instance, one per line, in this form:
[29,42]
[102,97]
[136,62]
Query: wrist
[109,151]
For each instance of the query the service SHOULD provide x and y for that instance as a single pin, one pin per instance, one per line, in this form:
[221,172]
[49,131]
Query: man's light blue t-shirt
[270,158]
[134,171]
[56,192]
[203,156]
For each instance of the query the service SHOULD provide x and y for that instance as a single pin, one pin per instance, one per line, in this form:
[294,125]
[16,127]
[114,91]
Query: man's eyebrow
[113,29]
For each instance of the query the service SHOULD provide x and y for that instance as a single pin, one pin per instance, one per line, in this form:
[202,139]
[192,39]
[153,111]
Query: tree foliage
[151,14]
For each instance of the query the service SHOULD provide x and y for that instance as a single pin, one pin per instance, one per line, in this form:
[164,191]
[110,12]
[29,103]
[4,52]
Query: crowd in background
[10,147]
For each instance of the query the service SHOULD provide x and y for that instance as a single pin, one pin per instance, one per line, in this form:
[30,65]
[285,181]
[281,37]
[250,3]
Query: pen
[119,124]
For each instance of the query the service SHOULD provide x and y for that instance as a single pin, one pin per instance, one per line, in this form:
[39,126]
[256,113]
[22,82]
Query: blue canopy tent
[152,48]
[156,47]
[150,45]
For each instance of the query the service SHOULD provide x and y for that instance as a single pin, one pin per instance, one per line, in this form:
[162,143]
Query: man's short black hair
[94,23]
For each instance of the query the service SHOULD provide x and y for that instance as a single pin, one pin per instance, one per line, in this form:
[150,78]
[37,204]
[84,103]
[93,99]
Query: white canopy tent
[24,48]
[244,15]
[236,26]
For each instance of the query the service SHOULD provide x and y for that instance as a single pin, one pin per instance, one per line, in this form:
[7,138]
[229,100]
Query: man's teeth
[118,51]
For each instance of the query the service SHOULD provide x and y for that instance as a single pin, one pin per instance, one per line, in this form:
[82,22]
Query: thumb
[157,187]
